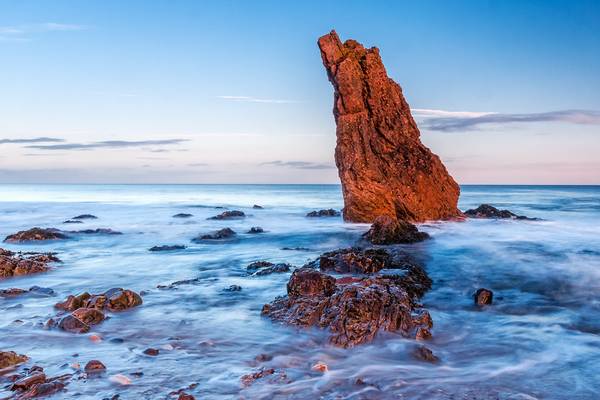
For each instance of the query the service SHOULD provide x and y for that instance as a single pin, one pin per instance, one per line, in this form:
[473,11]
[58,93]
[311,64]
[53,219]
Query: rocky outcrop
[167,247]
[225,233]
[383,166]
[323,213]
[386,230]
[17,264]
[355,308]
[491,212]
[234,214]
[36,235]
[87,309]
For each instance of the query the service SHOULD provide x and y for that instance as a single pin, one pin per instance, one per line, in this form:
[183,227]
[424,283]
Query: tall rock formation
[383,166]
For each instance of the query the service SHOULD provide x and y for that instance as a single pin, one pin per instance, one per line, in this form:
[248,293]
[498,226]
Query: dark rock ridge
[34,290]
[324,213]
[260,268]
[183,215]
[167,247]
[383,166]
[225,233]
[71,221]
[355,308]
[17,264]
[229,215]
[85,216]
[36,234]
[386,230]
[97,231]
[491,212]
[87,309]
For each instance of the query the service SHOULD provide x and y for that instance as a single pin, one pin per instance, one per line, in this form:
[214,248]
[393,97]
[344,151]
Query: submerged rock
[35,235]
[233,288]
[97,231]
[491,212]
[260,268]
[70,221]
[225,233]
[323,213]
[10,359]
[354,308]
[272,373]
[483,297]
[256,229]
[183,215]
[386,230]
[85,216]
[257,207]
[167,247]
[229,215]
[13,264]
[424,354]
[383,166]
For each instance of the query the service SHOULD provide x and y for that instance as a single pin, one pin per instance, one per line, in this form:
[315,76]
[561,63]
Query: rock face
[386,230]
[383,166]
[355,308]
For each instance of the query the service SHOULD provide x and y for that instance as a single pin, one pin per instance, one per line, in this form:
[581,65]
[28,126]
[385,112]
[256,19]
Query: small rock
[483,297]
[10,358]
[257,207]
[122,299]
[12,292]
[120,379]
[167,247]
[256,229]
[97,231]
[261,268]
[229,215]
[94,367]
[320,367]
[185,396]
[424,354]
[70,221]
[73,325]
[488,211]
[183,215]
[233,288]
[27,382]
[386,230]
[225,233]
[151,352]
[324,213]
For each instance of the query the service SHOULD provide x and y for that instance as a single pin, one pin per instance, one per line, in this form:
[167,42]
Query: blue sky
[228,92]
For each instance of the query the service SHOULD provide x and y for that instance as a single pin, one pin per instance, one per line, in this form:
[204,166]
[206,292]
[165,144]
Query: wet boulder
[483,297]
[17,264]
[122,299]
[353,310]
[265,268]
[491,212]
[354,260]
[72,324]
[167,248]
[94,367]
[256,229]
[10,359]
[233,214]
[386,230]
[323,213]
[225,233]
[36,235]
[422,353]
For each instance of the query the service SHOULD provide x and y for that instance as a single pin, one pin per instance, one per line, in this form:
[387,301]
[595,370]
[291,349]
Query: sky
[505,92]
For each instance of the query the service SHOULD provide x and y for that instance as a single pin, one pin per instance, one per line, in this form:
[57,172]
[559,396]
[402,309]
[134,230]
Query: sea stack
[383,166]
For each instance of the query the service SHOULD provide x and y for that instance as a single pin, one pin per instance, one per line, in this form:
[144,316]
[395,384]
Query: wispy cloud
[453,122]
[32,140]
[431,113]
[107,144]
[23,33]
[298,164]
[250,99]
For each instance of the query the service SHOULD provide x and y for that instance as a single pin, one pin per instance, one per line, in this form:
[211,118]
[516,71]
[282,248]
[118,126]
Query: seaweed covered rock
[491,212]
[36,235]
[386,230]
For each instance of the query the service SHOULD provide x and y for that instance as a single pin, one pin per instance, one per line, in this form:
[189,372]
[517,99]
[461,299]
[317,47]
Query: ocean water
[540,339]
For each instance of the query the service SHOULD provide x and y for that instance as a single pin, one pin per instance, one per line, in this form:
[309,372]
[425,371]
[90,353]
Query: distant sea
[540,340]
